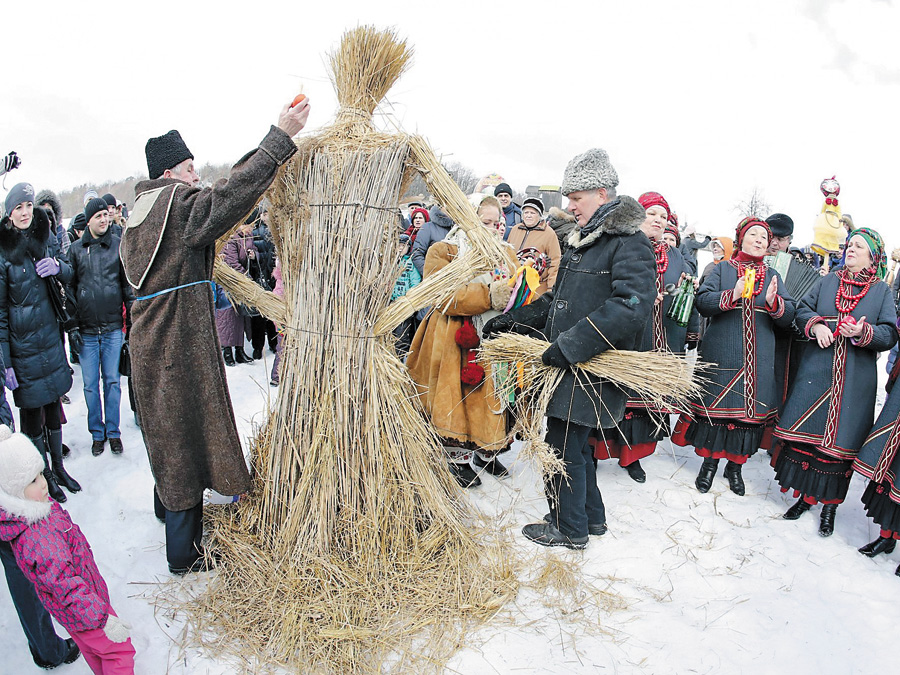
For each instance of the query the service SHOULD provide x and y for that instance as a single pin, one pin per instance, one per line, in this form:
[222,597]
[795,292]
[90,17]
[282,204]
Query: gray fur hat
[589,171]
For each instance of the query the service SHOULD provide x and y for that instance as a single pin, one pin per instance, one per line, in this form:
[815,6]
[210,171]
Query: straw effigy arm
[245,291]
[486,253]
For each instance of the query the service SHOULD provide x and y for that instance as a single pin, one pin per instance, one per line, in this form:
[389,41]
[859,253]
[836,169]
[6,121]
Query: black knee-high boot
[52,487]
[707,471]
[54,441]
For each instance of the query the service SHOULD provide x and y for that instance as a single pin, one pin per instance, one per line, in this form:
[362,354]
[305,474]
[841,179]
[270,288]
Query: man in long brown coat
[168,249]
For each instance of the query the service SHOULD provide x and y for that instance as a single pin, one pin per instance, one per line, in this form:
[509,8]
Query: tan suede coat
[458,411]
[177,370]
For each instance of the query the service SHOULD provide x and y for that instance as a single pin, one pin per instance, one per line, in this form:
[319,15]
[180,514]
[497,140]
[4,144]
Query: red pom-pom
[467,336]
[471,374]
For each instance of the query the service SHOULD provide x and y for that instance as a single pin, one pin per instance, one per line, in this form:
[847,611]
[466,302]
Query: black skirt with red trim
[812,473]
[880,507]
[724,438]
[639,427]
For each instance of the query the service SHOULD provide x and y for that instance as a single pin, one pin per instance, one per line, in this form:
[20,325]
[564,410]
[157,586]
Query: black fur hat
[164,152]
[781,225]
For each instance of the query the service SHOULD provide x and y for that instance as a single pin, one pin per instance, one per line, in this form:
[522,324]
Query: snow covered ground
[682,583]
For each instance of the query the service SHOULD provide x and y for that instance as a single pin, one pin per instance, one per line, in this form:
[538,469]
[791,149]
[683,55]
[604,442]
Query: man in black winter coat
[602,298]
[101,291]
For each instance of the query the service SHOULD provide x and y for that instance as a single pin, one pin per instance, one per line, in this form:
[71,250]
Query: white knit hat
[589,171]
[20,462]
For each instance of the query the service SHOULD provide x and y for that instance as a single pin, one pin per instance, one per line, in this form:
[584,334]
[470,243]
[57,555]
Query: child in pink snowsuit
[54,555]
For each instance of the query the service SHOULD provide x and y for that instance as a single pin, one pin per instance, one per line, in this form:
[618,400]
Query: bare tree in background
[755,205]
[463,176]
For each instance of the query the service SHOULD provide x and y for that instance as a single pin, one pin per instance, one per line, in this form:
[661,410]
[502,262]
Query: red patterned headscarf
[649,199]
[742,228]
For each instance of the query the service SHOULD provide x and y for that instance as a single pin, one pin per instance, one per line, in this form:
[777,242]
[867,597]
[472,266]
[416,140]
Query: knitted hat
[109,199]
[503,188]
[93,207]
[589,171]
[412,214]
[78,222]
[649,199]
[534,203]
[165,152]
[88,196]
[20,192]
[20,463]
[743,226]
[781,225]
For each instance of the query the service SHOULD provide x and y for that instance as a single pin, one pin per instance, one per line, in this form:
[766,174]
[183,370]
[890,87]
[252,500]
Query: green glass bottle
[683,303]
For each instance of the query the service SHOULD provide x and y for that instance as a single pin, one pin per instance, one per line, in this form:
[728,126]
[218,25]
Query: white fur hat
[589,171]
[20,462]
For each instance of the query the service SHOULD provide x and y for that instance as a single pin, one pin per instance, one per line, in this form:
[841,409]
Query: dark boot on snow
[240,356]
[54,441]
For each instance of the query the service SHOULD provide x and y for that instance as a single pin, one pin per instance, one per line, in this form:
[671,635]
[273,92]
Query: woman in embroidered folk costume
[849,314]
[644,425]
[744,300]
[879,461]
[454,390]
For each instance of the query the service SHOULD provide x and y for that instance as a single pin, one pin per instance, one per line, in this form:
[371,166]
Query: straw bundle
[353,552]
[663,379]
[485,253]
[244,291]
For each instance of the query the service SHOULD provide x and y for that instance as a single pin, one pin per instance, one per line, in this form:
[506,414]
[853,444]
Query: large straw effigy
[353,552]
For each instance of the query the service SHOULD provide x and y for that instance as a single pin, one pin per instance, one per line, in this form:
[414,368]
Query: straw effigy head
[363,68]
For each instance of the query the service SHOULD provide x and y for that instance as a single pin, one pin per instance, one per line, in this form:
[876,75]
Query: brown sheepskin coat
[457,411]
[177,370]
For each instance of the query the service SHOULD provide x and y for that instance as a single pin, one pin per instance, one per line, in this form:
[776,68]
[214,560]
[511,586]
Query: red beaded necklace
[660,248]
[846,299]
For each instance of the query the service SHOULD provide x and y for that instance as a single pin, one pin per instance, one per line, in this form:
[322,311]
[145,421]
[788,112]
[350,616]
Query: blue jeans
[100,355]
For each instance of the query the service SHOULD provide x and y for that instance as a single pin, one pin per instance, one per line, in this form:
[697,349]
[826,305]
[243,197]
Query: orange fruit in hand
[299,98]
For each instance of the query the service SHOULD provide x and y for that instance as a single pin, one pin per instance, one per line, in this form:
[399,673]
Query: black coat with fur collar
[30,339]
[602,299]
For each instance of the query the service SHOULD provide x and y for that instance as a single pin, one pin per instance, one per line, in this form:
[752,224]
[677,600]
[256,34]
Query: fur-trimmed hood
[624,218]
[439,218]
[557,218]
[15,244]
[49,197]
[18,513]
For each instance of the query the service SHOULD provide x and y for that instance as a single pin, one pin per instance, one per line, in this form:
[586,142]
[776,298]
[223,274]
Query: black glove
[76,342]
[10,162]
[499,324]
[553,356]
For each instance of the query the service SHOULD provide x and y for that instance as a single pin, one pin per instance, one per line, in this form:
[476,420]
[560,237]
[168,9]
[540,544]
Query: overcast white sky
[701,101]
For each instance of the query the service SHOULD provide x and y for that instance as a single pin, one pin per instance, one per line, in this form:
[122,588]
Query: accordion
[799,276]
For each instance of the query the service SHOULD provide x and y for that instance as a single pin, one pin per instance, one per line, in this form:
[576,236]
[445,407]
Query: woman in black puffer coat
[36,369]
